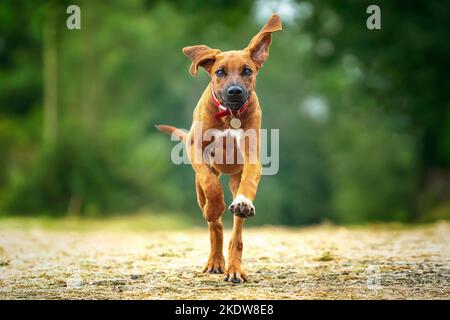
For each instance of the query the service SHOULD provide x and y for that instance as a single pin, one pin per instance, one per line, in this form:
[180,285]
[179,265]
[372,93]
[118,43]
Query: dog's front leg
[233,272]
[243,186]
[242,205]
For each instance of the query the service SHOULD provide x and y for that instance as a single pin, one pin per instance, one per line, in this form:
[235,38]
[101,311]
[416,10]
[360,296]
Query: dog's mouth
[234,104]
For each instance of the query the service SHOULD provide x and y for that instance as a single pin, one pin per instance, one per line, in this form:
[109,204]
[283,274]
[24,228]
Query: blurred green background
[364,115]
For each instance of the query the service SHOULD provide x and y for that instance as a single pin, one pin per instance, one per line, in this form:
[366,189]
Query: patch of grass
[140,222]
[4,263]
[326,256]
[4,260]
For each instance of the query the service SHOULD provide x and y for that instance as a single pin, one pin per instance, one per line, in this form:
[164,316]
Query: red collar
[224,110]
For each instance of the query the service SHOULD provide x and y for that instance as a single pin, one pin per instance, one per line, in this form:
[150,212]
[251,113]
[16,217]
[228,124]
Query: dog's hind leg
[216,261]
[201,199]
[211,198]
[233,272]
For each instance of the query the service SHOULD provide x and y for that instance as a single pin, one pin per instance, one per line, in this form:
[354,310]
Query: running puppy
[228,111]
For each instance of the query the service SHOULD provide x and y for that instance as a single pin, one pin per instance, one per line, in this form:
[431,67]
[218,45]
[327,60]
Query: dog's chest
[230,134]
[225,145]
[227,138]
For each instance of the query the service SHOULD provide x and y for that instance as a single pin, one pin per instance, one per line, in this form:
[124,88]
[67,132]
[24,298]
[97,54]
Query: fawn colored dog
[228,108]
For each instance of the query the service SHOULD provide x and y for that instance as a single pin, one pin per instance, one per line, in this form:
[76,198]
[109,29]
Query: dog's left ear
[201,56]
[259,45]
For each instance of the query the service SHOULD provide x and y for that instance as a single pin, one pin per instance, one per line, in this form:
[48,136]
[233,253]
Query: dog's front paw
[242,207]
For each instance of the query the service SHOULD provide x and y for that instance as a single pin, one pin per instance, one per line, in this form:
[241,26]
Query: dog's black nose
[234,91]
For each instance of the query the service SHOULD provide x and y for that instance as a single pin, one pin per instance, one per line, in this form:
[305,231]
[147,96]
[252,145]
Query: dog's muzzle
[234,96]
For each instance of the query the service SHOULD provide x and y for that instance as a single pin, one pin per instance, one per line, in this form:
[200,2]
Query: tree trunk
[50,72]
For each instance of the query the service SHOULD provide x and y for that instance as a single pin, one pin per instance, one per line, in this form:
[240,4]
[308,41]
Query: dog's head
[233,73]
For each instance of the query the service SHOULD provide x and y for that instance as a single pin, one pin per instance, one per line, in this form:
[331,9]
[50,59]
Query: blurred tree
[363,115]
[404,68]
[50,66]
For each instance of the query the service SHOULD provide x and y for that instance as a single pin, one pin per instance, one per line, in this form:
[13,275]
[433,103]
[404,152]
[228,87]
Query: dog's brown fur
[244,178]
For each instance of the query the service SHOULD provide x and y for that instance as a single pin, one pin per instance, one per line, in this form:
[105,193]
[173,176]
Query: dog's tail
[180,134]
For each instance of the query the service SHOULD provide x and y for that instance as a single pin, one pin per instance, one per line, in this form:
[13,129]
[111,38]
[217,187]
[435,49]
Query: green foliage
[363,115]
[371,169]
[82,173]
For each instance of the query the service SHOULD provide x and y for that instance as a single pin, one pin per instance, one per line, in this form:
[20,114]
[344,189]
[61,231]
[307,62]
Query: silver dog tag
[235,123]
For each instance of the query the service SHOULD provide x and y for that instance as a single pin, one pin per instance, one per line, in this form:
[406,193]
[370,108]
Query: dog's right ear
[202,56]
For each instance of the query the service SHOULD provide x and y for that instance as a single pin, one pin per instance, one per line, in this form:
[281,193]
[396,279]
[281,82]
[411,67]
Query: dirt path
[388,262]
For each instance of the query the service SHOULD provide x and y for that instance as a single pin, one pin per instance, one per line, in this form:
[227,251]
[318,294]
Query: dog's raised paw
[242,207]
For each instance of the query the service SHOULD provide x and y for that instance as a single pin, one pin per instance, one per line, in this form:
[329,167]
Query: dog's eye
[220,73]
[247,72]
